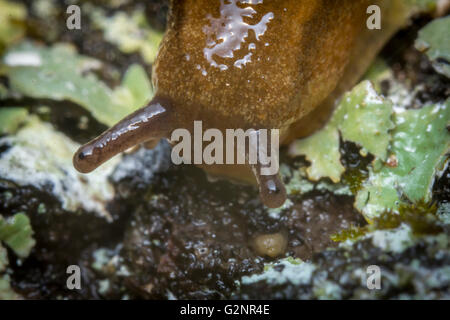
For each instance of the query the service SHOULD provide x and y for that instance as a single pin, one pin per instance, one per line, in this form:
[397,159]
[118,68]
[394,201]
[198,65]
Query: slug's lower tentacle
[266,168]
[271,188]
[150,122]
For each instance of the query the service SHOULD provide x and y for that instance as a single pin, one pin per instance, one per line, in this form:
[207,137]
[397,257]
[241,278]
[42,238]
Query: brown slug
[259,64]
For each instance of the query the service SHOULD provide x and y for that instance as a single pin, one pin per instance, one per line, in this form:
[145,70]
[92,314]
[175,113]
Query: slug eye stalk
[151,122]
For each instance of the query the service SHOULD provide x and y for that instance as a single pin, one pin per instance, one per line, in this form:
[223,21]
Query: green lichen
[408,146]
[362,117]
[434,40]
[3,258]
[6,292]
[12,23]
[293,271]
[59,73]
[322,150]
[418,153]
[17,234]
[378,72]
[327,290]
[130,33]
[298,183]
[11,118]
[27,163]
[135,90]
[45,9]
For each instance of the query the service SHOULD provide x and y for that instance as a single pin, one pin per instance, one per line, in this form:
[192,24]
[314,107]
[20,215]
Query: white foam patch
[42,157]
[296,274]
[23,59]
[396,240]
[372,96]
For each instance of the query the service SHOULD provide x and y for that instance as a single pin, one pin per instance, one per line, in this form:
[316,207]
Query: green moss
[356,167]
[352,233]
[421,217]
[355,178]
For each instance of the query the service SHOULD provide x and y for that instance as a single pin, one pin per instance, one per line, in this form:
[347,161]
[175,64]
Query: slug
[250,64]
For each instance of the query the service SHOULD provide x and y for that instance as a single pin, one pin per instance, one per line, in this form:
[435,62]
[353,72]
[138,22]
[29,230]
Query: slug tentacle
[271,189]
[149,123]
[266,169]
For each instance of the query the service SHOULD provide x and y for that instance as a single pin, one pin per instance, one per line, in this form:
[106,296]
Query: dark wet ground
[179,232]
[195,238]
[335,270]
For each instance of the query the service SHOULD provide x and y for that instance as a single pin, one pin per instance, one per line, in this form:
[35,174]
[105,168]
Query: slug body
[249,64]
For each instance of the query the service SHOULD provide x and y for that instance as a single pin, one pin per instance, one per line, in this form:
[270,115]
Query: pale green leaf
[362,117]
[59,73]
[322,150]
[11,118]
[17,234]
[129,32]
[419,147]
[434,40]
[6,292]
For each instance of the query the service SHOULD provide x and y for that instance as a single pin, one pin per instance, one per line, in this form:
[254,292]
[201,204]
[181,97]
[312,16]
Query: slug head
[238,64]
